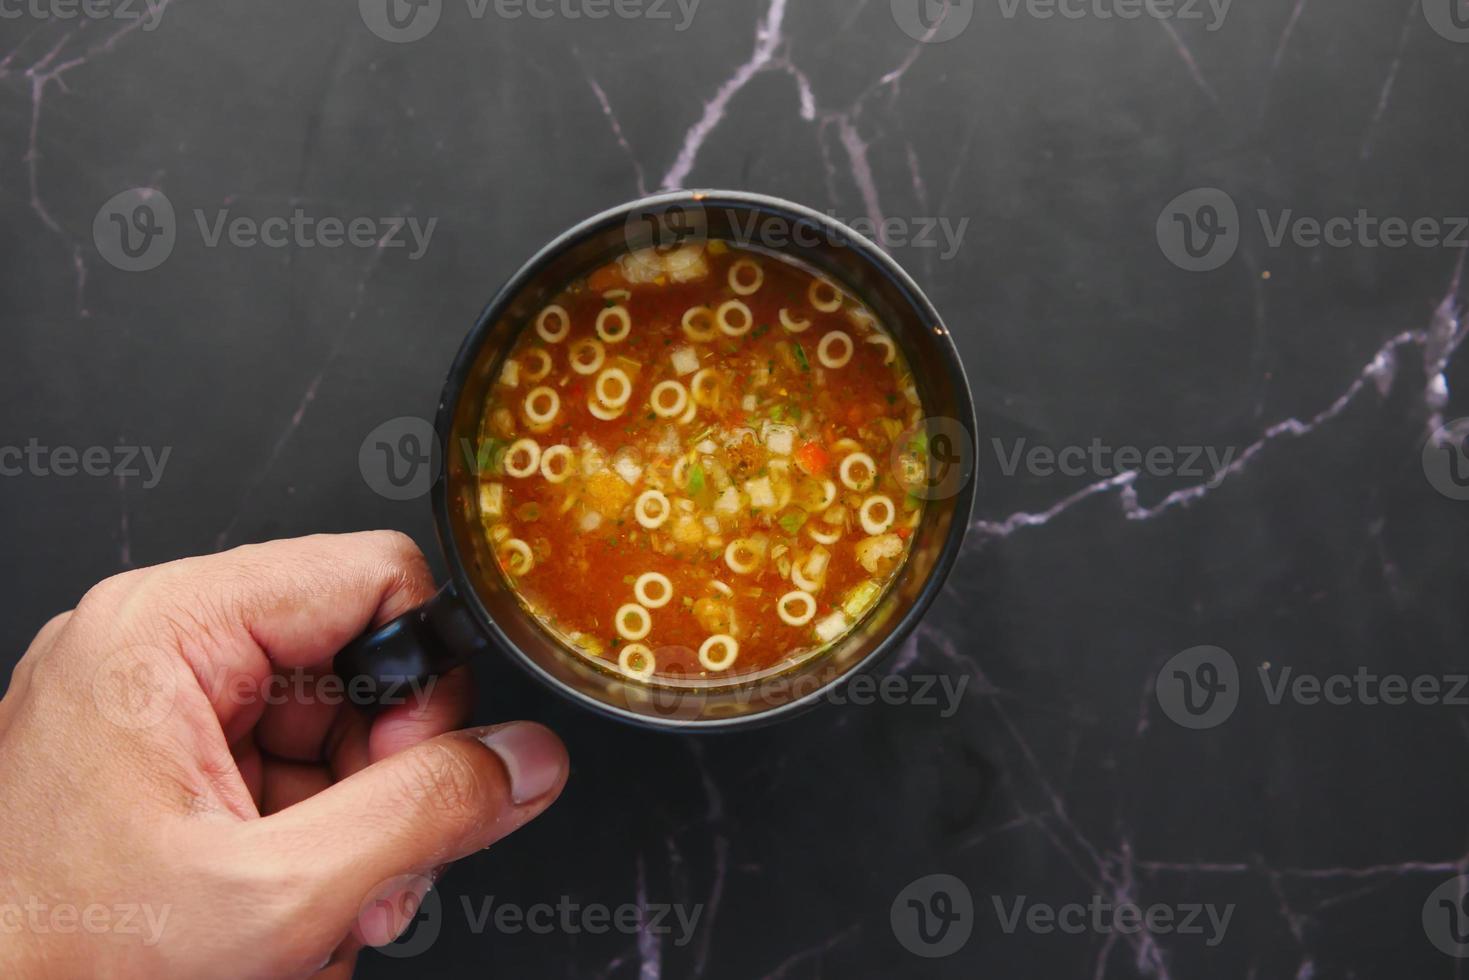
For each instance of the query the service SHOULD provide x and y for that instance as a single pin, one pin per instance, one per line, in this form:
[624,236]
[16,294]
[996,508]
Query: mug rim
[468,352]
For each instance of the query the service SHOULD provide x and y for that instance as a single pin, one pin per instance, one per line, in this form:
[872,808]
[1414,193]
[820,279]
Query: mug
[477,612]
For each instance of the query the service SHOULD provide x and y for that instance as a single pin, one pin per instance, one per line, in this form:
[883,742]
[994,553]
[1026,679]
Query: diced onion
[719,652]
[491,500]
[547,398]
[624,387]
[658,400]
[830,359]
[516,557]
[824,295]
[553,324]
[652,509]
[587,356]
[550,470]
[698,324]
[618,295]
[793,324]
[528,449]
[664,588]
[745,286]
[614,324]
[850,479]
[796,608]
[632,621]
[685,361]
[832,626]
[510,374]
[877,514]
[734,318]
[636,661]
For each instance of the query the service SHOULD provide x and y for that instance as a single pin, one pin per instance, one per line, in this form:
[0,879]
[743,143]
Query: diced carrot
[905,533]
[605,278]
[813,459]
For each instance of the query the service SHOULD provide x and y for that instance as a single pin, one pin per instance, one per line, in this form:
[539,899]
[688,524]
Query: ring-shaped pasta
[543,364]
[658,401]
[549,333]
[528,448]
[690,413]
[828,494]
[824,537]
[636,661]
[721,588]
[698,324]
[871,522]
[709,657]
[737,564]
[889,349]
[617,295]
[652,509]
[792,324]
[544,395]
[805,599]
[641,623]
[576,354]
[746,287]
[548,463]
[727,326]
[680,472]
[624,393]
[516,557]
[827,358]
[640,590]
[850,480]
[601,411]
[704,387]
[824,295]
[604,321]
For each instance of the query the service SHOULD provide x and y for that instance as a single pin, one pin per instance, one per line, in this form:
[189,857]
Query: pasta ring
[824,295]
[858,459]
[601,411]
[542,394]
[659,404]
[625,661]
[634,611]
[620,376]
[724,641]
[700,333]
[722,321]
[548,469]
[541,355]
[741,287]
[530,449]
[792,324]
[640,589]
[870,523]
[655,520]
[620,314]
[517,549]
[579,364]
[824,354]
[548,334]
[796,619]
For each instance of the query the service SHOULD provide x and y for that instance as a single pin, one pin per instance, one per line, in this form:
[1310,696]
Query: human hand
[153,760]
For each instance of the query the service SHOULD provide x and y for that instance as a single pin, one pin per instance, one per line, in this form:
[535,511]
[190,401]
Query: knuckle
[445,779]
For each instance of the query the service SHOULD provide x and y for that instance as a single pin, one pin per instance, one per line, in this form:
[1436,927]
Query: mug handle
[399,659]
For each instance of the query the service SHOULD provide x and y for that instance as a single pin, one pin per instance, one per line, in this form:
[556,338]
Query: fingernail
[534,758]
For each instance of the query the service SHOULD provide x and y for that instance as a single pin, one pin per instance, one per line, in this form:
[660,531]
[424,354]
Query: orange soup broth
[588,547]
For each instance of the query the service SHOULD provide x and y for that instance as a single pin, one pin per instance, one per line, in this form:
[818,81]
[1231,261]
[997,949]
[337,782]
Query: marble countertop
[1203,262]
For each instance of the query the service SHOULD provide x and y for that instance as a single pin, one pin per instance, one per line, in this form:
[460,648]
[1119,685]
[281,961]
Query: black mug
[477,612]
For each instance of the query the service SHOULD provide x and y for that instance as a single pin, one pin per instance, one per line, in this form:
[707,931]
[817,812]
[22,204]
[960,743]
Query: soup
[695,463]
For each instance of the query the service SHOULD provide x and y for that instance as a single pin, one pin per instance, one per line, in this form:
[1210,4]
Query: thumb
[410,813]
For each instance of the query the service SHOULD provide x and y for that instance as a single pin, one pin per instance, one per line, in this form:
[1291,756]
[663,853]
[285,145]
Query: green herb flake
[801,357]
[696,479]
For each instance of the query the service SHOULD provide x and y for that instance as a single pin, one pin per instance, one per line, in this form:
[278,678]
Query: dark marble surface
[1059,141]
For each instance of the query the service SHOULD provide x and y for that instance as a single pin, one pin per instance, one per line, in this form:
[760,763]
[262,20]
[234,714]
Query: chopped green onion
[696,479]
[801,356]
